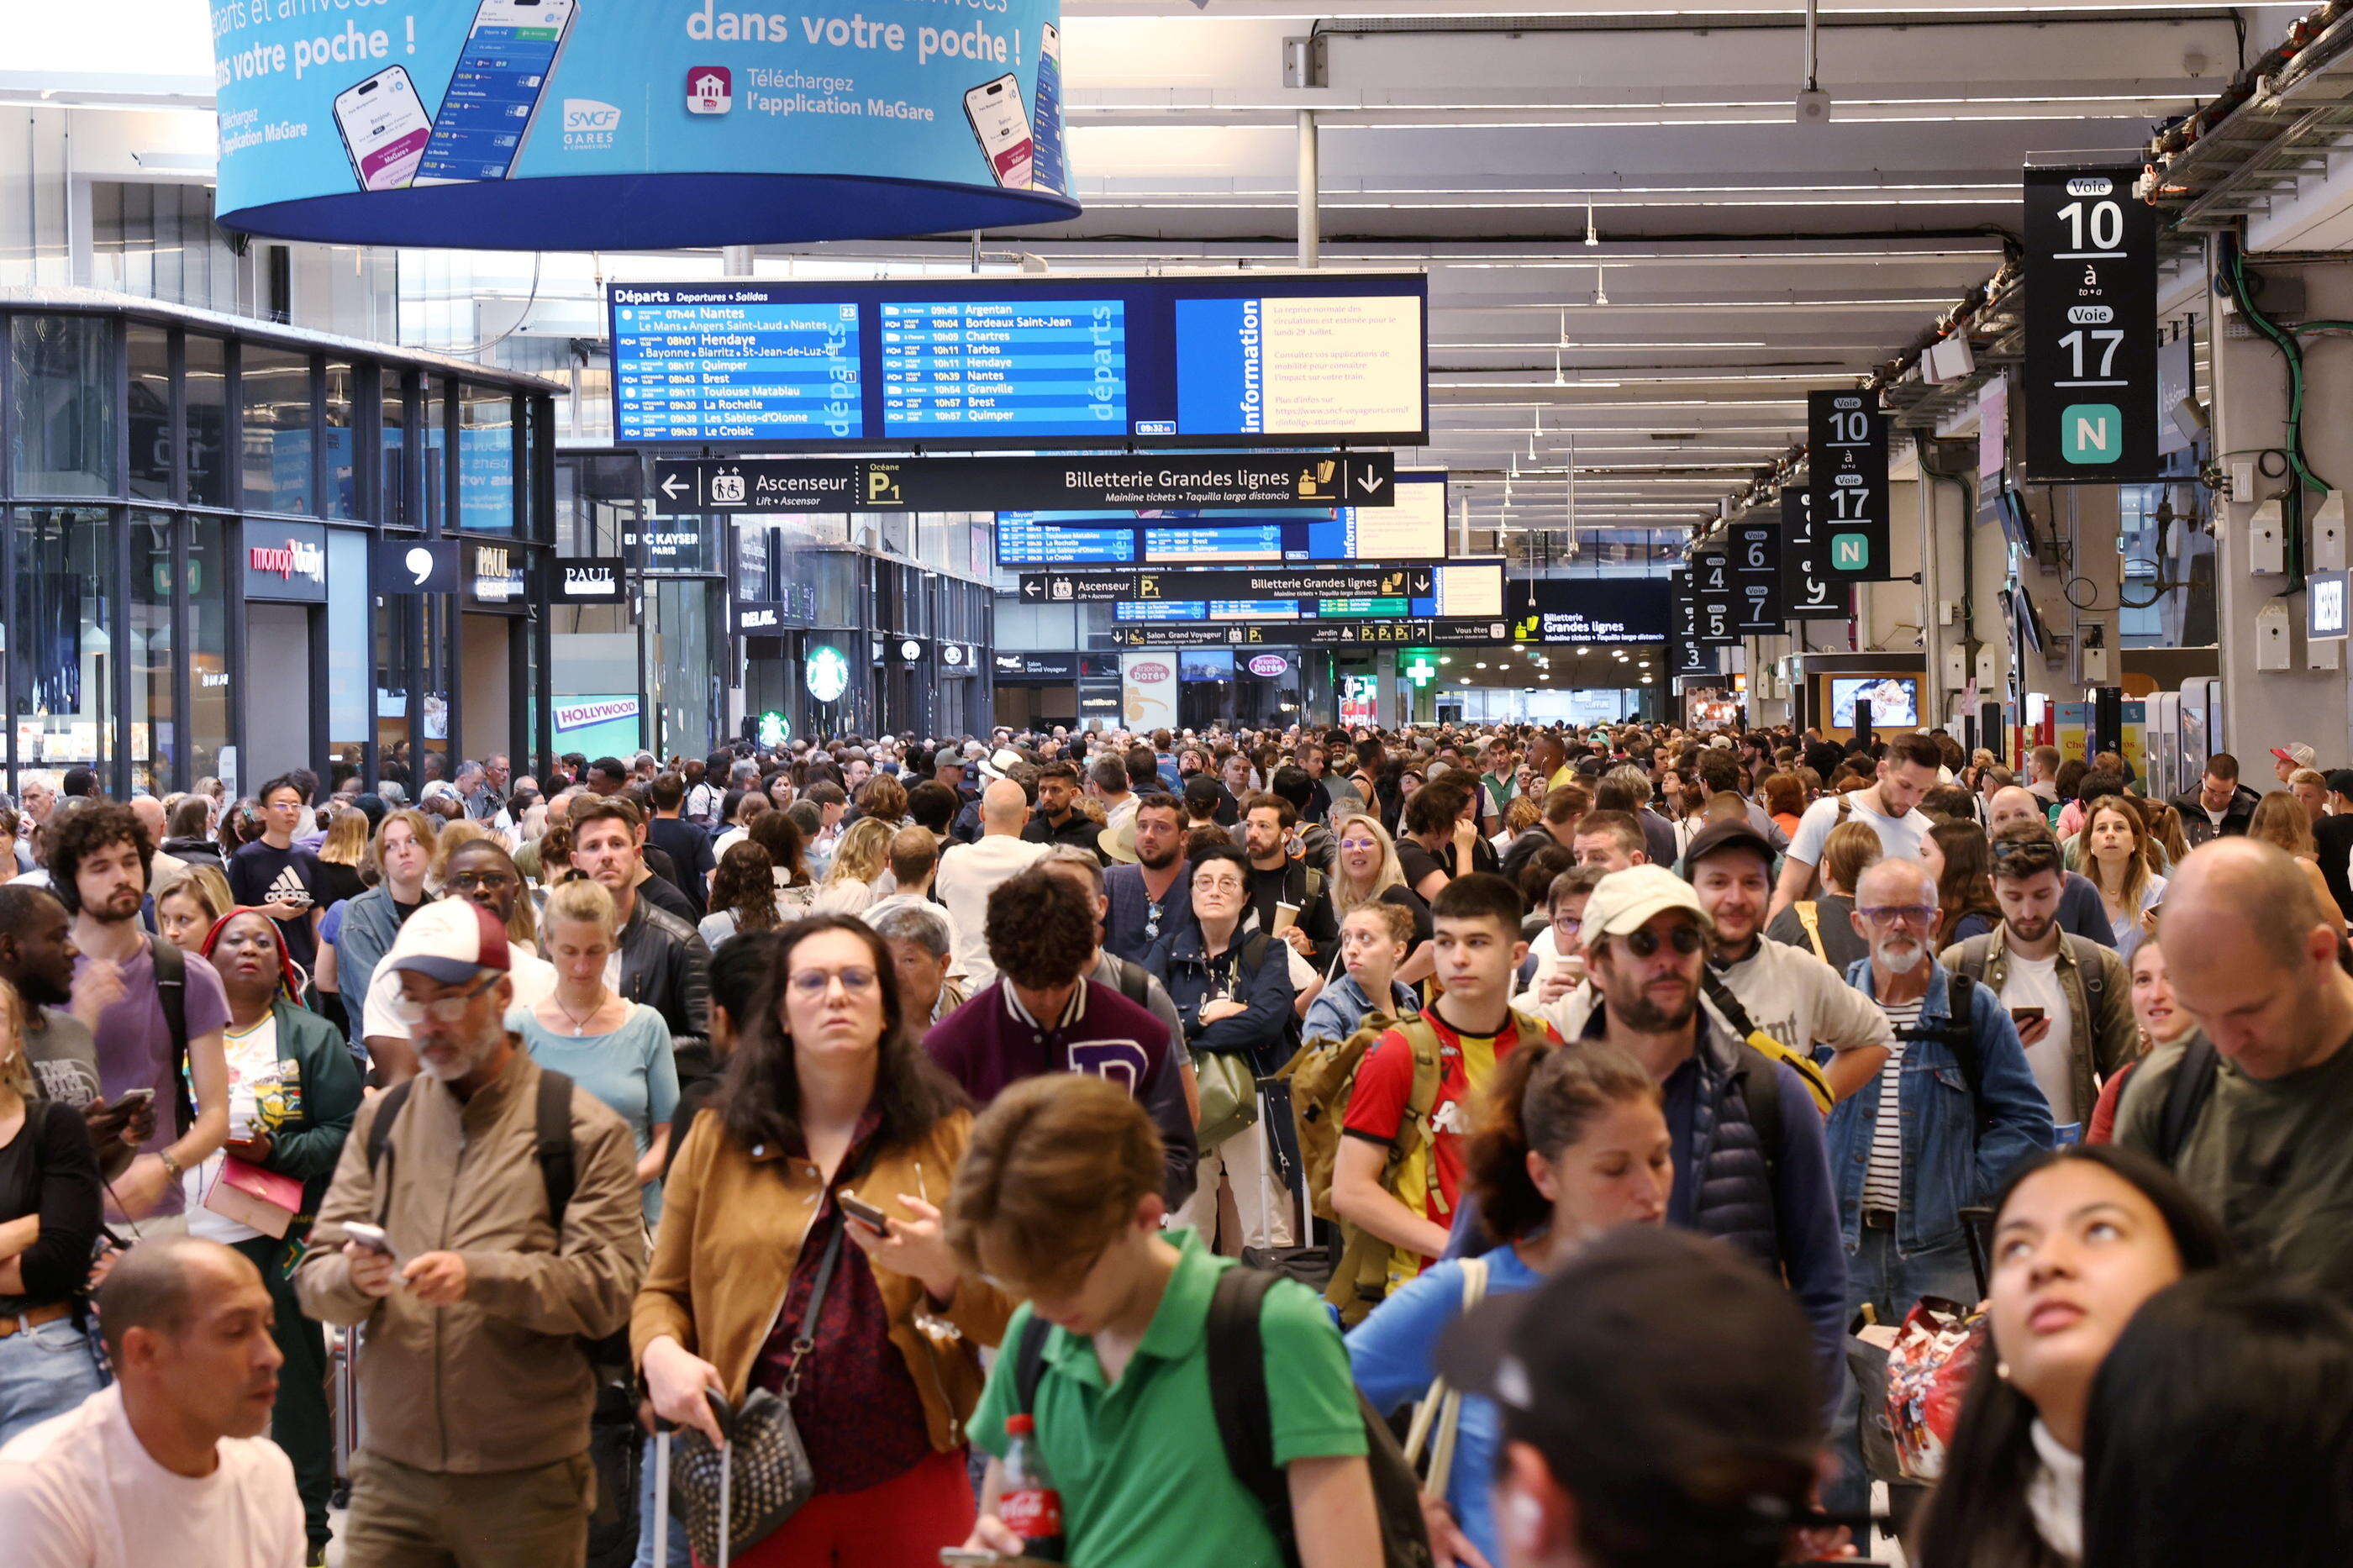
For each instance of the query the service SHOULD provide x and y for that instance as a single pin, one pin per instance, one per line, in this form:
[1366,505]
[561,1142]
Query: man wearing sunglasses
[1938,1131]
[511,1233]
[1746,1138]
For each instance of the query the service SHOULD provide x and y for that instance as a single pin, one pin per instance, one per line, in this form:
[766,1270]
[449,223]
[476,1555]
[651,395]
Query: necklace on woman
[579,1025]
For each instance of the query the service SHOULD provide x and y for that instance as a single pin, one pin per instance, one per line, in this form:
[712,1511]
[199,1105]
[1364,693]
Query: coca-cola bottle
[1029,1504]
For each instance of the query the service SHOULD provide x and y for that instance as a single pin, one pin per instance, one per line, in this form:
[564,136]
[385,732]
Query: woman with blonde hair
[2280,821]
[50,1222]
[1366,869]
[189,903]
[616,1049]
[860,857]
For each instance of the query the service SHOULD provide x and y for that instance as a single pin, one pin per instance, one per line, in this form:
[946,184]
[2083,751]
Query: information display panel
[1846,478]
[1412,529]
[2090,372]
[1590,610]
[1754,549]
[1267,360]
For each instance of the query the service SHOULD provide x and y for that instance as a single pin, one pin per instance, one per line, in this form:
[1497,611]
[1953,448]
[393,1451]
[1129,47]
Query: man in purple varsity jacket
[1042,1016]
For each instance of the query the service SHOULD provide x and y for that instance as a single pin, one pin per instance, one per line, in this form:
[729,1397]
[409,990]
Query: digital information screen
[1411,531]
[1472,588]
[1267,360]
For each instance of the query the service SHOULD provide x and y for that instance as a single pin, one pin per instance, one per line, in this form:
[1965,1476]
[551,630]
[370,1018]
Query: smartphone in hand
[864,1213]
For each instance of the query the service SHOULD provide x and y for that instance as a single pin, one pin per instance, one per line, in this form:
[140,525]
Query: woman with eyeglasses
[616,1049]
[827,1096]
[292,1088]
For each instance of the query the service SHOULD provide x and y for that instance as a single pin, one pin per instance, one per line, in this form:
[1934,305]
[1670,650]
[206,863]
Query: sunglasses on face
[1685,939]
[1900,915]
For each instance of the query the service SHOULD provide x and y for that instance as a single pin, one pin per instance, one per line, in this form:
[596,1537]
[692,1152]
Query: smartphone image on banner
[495,90]
[999,120]
[1050,171]
[385,129]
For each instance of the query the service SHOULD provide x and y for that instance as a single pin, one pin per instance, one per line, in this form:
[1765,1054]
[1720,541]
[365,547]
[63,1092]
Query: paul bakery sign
[635,124]
[286,560]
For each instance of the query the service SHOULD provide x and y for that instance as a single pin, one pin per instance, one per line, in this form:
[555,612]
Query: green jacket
[2099,1001]
[307,1147]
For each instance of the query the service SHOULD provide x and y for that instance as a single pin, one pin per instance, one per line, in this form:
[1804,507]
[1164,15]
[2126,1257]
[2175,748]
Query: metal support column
[1311,223]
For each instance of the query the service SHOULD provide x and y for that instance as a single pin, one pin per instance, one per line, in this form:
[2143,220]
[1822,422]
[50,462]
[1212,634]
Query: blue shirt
[1392,1354]
[629,1068]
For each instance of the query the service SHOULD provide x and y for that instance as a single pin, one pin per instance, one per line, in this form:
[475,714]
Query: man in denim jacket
[1938,1131]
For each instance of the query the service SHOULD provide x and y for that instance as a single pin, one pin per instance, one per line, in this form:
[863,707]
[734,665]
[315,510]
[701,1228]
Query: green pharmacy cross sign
[1420,669]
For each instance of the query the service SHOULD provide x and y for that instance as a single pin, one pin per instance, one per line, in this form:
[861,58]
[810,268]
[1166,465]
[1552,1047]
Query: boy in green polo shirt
[1058,1199]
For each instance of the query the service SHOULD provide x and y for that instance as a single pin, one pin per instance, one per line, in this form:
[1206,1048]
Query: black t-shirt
[49,1170]
[259,874]
[2332,837]
[1418,862]
[337,883]
[688,848]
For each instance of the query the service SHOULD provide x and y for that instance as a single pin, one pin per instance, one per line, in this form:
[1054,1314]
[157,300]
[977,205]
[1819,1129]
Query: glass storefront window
[394,658]
[154,738]
[348,604]
[678,666]
[436,440]
[205,380]
[148,409]
[61,637]
[274,387]
[64,405]
[342,437]
[207,653]
[395,484]
[486,445]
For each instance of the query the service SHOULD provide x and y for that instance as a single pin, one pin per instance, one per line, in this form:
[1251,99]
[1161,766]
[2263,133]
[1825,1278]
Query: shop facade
[198,511]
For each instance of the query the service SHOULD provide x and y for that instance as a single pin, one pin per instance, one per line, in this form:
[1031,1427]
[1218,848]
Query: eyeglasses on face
[445,1009]
[1645,944]
[487,881]
[1900,915]
[811,984]
[1216,885]
[1359,844]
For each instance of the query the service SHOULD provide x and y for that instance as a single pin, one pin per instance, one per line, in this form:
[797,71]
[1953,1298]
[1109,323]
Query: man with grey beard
[1907,1152]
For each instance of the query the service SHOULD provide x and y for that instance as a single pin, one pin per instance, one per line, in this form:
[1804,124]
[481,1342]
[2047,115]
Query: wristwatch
[171,1166]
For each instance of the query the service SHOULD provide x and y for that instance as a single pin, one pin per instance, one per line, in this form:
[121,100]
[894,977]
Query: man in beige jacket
[507,1202]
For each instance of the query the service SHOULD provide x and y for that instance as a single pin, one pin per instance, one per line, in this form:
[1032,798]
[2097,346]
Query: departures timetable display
[1275,360]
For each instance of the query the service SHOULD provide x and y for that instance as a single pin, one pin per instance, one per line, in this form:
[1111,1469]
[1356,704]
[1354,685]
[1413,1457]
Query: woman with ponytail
[1571,1142]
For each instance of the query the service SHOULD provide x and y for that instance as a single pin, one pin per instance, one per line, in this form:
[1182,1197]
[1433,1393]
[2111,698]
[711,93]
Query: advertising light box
[661,124]
[1270,360]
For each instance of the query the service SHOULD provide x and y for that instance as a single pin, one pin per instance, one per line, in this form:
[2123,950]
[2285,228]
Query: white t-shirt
[969,874]
[1899,836]
[81,1491]
[254,1070]
[533,978]
[2035,983]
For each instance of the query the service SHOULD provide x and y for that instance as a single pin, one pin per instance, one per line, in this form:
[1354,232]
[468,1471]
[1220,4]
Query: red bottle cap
[1022,1426]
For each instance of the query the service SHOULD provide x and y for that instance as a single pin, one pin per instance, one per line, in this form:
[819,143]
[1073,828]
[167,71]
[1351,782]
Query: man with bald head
[169,1464]
[2255,1111]
[1907,1153]
[970,872]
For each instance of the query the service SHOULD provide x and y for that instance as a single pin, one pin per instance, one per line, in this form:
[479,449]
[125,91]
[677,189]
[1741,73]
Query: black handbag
[763,1475]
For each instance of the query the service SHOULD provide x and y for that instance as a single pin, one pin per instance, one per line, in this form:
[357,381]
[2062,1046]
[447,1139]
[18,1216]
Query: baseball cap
[1659,1371]
[1731,834]
[1625,901]
[948,757]
[2340,782]
[1203,789]
[451,941]
[2296,751]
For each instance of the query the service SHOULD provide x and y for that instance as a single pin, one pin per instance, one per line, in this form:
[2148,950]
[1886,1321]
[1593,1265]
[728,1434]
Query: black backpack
[1236,1369]
[1959,1035]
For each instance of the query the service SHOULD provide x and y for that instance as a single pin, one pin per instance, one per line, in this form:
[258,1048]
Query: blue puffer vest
[1728,1159]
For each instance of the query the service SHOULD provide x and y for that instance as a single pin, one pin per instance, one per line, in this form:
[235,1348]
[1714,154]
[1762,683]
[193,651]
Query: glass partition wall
[192,507]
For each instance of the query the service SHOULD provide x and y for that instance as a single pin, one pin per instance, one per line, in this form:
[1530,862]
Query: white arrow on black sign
[671,486]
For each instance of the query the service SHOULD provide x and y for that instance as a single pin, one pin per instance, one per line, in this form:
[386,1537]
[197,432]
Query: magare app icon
[710,89]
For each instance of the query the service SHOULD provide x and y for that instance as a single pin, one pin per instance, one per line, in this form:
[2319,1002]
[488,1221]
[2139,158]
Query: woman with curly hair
[743,895]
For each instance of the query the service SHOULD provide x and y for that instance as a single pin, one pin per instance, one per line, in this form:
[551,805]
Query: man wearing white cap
[2287,759]
[1747,1140]
[511,1233]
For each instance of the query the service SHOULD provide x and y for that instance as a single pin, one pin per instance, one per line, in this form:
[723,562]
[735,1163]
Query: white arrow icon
[1370,483]
[671,486]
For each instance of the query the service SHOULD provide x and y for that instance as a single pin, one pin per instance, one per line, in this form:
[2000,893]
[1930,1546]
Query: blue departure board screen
[1021,542]
[1411,531]
[1061,362]
[737,373]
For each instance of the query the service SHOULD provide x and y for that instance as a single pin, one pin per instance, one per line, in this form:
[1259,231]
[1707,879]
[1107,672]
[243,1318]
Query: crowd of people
[1100,1146]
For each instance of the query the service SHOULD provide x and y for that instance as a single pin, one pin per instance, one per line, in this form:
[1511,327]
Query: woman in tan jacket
[827,1092]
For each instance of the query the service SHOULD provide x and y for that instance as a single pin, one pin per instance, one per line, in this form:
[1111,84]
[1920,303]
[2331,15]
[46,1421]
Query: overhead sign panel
[1755,552]
[1846,478]
[1714,601]
[1109,587]
[1808,593]
[2090,372]
[1267,360]
[1414,530]
[992,484]
[1418,631]
[1590,610]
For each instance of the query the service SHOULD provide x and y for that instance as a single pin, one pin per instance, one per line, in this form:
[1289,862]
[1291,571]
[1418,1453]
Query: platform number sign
[1807,592]
[1754,549]
[2092,414]
[1714,600]
[1846,478]
[1691,655]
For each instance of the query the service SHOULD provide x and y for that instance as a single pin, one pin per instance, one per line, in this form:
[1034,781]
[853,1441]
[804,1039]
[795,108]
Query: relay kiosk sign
[2090,378]
[653,124]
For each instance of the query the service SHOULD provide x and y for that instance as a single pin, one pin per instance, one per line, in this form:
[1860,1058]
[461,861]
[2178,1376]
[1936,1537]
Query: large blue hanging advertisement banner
[609,124]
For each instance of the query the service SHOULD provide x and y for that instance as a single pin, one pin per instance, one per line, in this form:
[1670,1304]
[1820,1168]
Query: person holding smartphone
[282,880]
